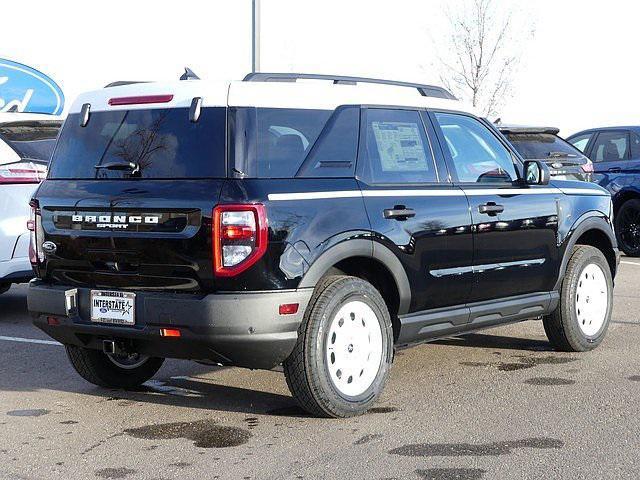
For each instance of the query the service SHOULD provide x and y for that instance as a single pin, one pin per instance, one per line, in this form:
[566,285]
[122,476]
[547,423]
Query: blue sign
[24,89]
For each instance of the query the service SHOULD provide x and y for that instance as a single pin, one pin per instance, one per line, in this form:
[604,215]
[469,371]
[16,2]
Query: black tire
[562,326]
[97,368]
[307,369]
[627,225]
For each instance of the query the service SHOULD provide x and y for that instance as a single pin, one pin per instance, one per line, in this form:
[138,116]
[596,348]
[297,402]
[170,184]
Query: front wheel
[581,320]
[341,362]
[627,225]
[113,371]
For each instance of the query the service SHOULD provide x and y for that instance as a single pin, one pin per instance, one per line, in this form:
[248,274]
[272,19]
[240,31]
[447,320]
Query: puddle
[204,433]
[474,450]
[28,413]
[451,473]
[549,381]
[367,439]
[522,363]
[114,472]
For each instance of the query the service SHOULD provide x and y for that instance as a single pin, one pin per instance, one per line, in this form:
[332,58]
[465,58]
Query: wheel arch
[369,260]
[623,196]
[595,231]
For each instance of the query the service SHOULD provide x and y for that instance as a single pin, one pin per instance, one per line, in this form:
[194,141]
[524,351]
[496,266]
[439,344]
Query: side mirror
[536,173]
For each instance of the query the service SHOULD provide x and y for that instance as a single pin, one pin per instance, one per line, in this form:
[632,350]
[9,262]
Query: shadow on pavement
[480,340]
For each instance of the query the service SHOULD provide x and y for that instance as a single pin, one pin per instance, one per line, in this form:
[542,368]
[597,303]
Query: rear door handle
[399,212]
[615,170]
[491,208]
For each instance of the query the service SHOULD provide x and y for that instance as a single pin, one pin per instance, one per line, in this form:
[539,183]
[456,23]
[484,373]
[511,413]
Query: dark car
[565,162]
[615,152]
[315,225]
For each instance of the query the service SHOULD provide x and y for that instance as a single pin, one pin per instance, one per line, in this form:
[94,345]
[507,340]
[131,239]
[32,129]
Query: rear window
[161,143]
[31,140]
[273,142]
[541,146]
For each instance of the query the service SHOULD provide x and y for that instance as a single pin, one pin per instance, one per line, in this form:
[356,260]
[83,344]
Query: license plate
[118,308]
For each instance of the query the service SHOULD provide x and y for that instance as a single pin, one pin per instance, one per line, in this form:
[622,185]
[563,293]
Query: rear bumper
[241,329]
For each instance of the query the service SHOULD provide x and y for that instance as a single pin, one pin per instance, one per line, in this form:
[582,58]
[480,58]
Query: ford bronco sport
[316,224]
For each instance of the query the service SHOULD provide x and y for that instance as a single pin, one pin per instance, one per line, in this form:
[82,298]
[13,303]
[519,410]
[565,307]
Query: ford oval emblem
[24,89]
[49,247]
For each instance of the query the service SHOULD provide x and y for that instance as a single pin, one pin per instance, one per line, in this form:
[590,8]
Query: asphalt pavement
[494,404]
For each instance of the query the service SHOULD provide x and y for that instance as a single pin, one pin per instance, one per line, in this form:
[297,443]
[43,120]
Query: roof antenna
[189,75]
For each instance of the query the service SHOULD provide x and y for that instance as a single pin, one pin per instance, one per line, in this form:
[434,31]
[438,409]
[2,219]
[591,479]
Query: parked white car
[26,144]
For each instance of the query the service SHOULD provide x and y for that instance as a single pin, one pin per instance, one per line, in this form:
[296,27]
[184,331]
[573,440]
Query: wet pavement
[494,404]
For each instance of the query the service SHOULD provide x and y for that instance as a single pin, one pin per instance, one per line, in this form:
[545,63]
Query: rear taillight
[22,172]
[36,235]
[587,167]
[240,236]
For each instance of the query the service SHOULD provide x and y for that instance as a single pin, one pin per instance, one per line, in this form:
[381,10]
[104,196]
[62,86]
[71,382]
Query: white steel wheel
[354,348]
[591,299]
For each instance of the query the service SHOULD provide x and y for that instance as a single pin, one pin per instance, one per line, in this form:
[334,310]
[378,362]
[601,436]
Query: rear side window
[395,148]
[162,143]
[273,142]
[334,154]
[611,147]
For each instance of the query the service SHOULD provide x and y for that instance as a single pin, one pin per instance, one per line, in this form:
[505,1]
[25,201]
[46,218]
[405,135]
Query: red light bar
[140,100]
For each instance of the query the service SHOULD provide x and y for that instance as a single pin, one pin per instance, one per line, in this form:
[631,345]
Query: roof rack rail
[425,90]
[120,83]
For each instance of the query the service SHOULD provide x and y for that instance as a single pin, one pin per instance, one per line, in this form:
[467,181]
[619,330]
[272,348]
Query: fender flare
[589,221]
[361,248]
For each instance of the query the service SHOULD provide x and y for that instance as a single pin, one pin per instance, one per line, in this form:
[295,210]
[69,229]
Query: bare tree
[480,56]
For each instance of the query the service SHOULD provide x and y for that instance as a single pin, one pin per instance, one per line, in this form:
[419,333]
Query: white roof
[309,94]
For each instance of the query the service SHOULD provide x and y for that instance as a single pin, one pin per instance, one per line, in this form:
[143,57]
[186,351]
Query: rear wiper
[134,167]
[560,154]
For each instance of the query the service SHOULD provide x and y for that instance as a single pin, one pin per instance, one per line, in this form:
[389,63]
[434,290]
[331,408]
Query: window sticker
[400,146]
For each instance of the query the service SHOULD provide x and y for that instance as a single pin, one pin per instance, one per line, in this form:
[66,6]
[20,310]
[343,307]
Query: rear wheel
[113,371]
[341,362]
[627,225]
[581,320]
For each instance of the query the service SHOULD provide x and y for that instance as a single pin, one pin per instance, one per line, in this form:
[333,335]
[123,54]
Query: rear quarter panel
[301,229]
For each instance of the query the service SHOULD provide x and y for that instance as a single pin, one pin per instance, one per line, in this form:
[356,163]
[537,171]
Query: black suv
[315,224]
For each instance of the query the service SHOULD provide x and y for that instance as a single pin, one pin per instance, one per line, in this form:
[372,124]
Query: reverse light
[240,236]
[140,100]
[22,173]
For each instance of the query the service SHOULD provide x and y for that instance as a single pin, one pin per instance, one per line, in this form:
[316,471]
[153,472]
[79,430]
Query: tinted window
[610,147]
[541,146]
[396,148]
[478,156]
[273,142]
[33,140]
[334,153]
[163,143]
[580,142]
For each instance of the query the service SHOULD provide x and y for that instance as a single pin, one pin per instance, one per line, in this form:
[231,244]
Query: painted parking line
[30,340]
[630,263]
